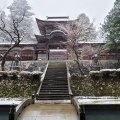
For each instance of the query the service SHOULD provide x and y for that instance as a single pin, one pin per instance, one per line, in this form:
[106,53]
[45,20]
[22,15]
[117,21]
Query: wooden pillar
[48,55]
[36,56]
[12,112]
[82,112]
[47,51]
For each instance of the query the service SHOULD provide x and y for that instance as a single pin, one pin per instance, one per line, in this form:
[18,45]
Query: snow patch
[10,101]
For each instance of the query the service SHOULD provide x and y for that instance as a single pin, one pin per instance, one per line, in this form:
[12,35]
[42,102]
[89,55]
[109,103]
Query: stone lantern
[95,62]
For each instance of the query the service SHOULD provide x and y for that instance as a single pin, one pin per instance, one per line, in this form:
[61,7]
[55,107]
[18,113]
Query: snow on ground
[10,101]
[82,100]
[98,100]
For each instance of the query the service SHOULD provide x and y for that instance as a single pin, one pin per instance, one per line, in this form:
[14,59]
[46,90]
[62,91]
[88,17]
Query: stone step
[54,90]
[52,79]
[54,83]
[55,98]
[56,71]
[53,93]
[54,86]
[58,67]
[55,78]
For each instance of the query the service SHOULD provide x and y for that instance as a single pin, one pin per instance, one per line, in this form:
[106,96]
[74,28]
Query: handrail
[42,78]
[68,78]
[21,106]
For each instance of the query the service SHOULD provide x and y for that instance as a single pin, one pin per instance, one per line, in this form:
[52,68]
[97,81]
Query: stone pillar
[12,112]
[33,97]
[82,112]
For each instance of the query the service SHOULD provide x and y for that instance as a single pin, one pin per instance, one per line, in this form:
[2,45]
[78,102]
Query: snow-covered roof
[57,18]
[16,48]
[92,42]
[28,48]
[8,43]
[97,40]
[3,48]
[31,40]
[58,50]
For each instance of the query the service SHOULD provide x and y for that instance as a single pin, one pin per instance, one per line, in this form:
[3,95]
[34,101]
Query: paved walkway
[49,112]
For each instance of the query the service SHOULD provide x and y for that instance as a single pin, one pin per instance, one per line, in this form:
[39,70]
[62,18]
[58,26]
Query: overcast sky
[94,9]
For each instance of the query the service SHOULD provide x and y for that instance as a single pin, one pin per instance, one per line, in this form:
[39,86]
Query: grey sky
[94,9]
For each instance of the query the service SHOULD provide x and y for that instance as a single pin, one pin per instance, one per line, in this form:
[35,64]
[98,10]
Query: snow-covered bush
[36,75]
[75,76]
[106,73]
[13,74]
[30,75]
[94,74]
[117,73]
[3,74]
[25,74]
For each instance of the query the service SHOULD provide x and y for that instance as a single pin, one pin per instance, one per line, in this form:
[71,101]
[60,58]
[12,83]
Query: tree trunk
[77,61]
[5,55]
[79,67]
[3,64]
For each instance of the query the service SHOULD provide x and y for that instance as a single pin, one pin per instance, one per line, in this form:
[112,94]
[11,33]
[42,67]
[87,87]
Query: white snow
[102,70]
[98,100]
[58,50]
[10,101]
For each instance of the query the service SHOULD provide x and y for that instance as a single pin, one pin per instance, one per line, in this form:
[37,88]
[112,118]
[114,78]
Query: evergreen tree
[111,28]
[20,11]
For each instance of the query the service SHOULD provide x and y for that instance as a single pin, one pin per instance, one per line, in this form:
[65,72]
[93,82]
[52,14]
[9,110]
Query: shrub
[75,76]
[4,74]
[117,73]
[106,73]
[25,74]
[94,74]
[36,75]
[13,74]
[30,75]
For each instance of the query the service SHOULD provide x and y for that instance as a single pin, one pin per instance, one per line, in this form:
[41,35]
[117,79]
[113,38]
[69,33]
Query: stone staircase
[55,84]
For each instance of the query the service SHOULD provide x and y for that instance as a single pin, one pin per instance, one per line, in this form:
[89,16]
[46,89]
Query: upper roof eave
[42,23]
[53,21]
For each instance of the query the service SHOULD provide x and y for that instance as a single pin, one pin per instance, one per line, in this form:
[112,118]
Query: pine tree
[111,28]
[20,11]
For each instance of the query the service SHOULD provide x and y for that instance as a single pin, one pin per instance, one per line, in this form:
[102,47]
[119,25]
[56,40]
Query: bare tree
[79,30]
[16,27]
